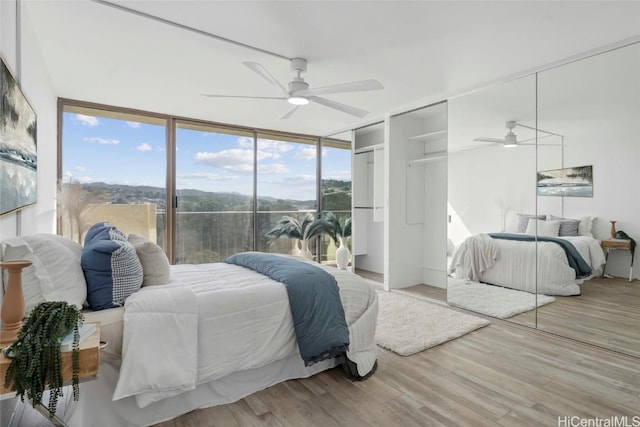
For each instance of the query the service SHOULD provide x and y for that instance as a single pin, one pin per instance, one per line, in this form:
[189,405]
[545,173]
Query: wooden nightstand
[610,244]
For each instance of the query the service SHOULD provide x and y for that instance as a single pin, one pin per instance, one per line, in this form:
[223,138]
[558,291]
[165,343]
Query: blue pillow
[111,267]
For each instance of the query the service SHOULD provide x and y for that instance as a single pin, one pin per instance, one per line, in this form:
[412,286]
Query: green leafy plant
[289,226]
[328,223]
[35,355]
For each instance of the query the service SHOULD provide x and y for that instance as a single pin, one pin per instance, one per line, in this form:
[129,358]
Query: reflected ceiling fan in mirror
[510,140]
[300,94]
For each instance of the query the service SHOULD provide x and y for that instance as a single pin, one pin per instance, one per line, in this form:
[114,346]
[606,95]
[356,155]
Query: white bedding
[244,332]
[515,266]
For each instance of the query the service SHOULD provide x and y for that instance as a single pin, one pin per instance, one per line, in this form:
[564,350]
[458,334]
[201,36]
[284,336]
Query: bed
[512,263]
[213,334]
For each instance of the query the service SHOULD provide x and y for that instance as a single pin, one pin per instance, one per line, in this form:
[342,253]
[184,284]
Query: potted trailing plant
[290,227]
[328,223]
[35,355]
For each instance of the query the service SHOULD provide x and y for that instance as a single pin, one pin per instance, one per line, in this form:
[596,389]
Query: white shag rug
[494,301]
[408,325]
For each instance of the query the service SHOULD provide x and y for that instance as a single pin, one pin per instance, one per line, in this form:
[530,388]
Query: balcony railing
[207,236]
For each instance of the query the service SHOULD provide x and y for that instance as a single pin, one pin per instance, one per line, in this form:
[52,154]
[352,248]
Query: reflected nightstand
[623,244]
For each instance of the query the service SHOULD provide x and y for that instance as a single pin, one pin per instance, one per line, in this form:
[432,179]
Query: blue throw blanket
[576,261]
[314,299]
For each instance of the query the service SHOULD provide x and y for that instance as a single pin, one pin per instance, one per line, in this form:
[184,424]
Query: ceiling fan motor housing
[298,84]
[299,65]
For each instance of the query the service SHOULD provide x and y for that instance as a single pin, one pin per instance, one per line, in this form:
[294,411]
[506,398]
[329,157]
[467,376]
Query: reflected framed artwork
[18,154]
[576,182]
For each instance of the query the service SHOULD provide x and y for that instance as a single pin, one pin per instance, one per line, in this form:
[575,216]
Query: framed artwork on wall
[18,155]
[576,181]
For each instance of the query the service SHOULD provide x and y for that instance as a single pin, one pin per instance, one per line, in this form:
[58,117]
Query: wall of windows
[201,190]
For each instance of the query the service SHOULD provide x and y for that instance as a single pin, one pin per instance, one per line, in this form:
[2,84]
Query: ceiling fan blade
[483,139]
[254,66]
[359,86]
[471,148]
[289,112]
[339,106]
[210,95]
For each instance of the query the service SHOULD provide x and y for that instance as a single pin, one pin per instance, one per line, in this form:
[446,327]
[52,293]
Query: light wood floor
[606,313]
[500,375]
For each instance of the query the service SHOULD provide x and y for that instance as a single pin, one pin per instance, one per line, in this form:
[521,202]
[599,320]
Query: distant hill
[337,196]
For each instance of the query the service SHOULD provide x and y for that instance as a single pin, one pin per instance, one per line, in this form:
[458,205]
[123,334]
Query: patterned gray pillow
[568,226]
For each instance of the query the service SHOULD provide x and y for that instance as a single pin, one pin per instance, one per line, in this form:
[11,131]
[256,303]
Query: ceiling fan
[299,93]
[510,139]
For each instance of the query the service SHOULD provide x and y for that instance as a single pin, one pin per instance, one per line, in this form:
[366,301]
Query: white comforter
[215,319]
[515,265]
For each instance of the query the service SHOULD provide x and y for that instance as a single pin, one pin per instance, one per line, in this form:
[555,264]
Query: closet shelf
[368,148]
[431,157]
[427,135]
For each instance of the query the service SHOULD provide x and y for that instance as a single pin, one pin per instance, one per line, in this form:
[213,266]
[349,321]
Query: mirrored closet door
[594,104]
[491,189]
[559,148]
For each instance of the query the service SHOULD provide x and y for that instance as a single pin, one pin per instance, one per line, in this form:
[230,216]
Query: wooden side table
[615,244]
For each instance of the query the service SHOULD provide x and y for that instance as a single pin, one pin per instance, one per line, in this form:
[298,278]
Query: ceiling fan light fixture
[298,100]
[510,144]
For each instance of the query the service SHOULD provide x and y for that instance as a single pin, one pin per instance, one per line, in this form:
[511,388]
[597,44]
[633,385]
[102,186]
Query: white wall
[24,59]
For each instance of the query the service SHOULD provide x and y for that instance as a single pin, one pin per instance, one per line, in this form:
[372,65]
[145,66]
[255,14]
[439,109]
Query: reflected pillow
[584,229]
[544,228]
[523,221]
[568,226]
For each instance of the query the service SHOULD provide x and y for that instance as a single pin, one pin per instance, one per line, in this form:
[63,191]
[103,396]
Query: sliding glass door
[286,182]
[214,192]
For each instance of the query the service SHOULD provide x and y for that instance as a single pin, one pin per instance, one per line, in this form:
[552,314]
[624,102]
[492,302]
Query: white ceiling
[421,51]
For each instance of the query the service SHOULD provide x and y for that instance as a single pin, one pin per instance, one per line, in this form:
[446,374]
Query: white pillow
[54,275]
[545,228]
[584,229]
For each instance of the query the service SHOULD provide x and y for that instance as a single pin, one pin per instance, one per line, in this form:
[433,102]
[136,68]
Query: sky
[98,149]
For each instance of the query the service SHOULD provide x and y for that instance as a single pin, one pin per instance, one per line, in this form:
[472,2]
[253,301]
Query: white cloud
[134,125]
[206,176]
[144,147]
[304,178]
[306,153]
[86,120]
[103,141]
[276,146]
[245,142]
[79,168]
[233,160]
[273,168]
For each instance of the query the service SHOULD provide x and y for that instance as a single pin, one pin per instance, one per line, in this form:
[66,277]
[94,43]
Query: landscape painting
[18,159]
[576,181]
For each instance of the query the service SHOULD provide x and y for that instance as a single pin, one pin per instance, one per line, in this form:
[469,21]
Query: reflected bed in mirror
[592,105]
